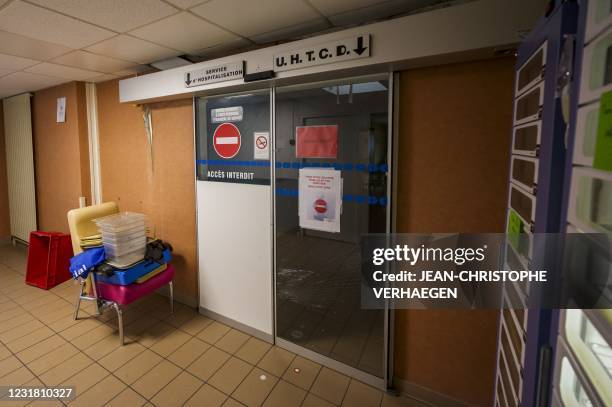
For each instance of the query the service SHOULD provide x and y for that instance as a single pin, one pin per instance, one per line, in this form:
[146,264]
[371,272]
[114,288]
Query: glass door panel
[342,128]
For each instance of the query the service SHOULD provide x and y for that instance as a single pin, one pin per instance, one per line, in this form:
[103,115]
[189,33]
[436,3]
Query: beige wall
[164,190]
[454,138]
[61,157]
[5,222]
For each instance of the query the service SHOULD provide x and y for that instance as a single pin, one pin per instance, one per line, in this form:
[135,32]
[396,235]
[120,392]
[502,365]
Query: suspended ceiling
[48,42]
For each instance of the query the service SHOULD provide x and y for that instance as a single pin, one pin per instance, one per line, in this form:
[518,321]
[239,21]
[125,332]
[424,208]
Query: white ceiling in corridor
[48,42]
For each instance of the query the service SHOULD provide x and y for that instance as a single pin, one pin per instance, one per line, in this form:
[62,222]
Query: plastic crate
[48,259]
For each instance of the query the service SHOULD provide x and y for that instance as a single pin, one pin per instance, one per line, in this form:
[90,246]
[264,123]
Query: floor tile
[181,316]
[137,367]
[188,352]
[121,356]
[127,398]
[207,364]
[330,385]
[230,375]
[42,348]
[17,377]
[232,341]
[213,332]
[196,324]
[20,331]
[100,394]
[154,334]
[206,396]
[86,378]
[276,361]
[178,391]
[302,372]
[395,401]
[65,370]
[9,365]
[93,336]
[52,359]
[103,347]
[313,401]
[253,350]
[255,388]
[361,395]
[285,395]
[156,379]
[30,339]
[232,403]
[170,342]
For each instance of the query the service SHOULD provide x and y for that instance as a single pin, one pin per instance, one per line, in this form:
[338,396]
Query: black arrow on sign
[188,81]
[360,48]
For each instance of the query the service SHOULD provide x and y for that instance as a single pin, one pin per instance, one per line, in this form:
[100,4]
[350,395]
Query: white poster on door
[320,199]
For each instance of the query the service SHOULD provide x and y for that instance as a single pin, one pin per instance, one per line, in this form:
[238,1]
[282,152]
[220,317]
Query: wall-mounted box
[528,107]
[532,71]
[590,200]
[586,134]
[524,173]
[596,77]
[526,139]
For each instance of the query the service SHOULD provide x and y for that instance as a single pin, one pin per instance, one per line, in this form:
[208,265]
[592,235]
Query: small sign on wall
[61,110]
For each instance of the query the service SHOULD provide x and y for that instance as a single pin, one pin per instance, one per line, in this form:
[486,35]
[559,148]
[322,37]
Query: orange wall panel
[58,160]
[454,140]
[163,188]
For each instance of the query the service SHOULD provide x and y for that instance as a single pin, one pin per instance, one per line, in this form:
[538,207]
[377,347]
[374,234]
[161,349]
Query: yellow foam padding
[81,225]
[152,274]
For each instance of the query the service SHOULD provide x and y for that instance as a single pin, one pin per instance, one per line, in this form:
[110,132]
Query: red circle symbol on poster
[320,206]
[226,140]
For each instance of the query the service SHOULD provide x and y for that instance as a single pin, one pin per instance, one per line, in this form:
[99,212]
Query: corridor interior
[169,359]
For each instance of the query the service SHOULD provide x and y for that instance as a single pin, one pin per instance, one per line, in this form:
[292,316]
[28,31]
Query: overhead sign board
[213,74]
[337,51]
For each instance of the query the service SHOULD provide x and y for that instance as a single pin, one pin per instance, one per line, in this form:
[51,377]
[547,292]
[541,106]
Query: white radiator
[20,165]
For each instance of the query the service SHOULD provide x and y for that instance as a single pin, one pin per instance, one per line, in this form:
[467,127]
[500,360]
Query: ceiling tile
[15,63]
[218,50]
[4,72]
[93,62]
[132,49]
[136,70]
[293,32]
[249,18]
[184,32]
[38,23]
[378,10]
[331,7]
[61,71]
[20,82]
[117,15]
[29,48]
[102,78]
[185,4]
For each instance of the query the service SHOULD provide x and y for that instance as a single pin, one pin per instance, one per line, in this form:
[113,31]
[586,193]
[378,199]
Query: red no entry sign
[320,206]
[226,140]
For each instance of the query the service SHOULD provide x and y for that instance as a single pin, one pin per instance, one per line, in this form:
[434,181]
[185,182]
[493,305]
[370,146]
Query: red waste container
[48,259]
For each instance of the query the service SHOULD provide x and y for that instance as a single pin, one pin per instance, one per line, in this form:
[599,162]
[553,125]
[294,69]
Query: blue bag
[83,263]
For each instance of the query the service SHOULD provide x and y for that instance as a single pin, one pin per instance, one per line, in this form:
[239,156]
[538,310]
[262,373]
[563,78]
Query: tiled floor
[169,359]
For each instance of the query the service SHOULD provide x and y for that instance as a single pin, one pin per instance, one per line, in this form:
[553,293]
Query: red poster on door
[316,141]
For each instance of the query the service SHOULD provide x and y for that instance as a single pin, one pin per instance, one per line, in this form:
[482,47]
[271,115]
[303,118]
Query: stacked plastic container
[124,237]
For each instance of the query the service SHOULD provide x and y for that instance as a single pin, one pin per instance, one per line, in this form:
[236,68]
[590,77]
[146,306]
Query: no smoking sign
[261,145]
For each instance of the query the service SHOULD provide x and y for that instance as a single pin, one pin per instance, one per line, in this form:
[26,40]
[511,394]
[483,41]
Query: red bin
[48,259]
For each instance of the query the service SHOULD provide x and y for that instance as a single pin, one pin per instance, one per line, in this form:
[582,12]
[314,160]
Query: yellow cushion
[152,274]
